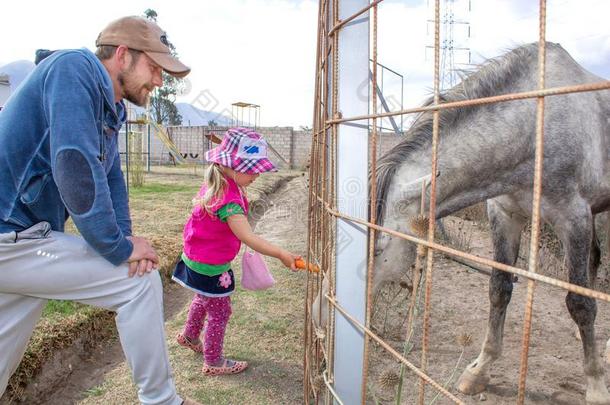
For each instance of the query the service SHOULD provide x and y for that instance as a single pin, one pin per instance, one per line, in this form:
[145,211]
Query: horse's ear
[413,189]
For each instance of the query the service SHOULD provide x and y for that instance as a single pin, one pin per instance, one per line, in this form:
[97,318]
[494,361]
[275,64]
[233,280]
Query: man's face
[139,79]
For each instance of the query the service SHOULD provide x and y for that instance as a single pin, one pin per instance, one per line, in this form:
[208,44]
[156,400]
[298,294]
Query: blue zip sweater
[59,154]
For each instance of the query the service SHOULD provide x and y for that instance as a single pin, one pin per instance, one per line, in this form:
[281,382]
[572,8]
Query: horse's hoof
[597,400]
[471,384]
[597,393]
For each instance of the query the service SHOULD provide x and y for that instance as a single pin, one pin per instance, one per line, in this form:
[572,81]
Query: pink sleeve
[232,195]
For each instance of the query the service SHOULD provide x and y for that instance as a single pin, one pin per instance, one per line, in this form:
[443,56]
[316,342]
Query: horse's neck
[472,167]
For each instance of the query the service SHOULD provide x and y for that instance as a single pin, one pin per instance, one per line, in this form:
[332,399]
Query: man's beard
[132,93]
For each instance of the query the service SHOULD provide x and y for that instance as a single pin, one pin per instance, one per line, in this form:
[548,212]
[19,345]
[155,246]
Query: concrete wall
[290,147]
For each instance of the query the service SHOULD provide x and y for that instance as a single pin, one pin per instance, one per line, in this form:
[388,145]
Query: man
[59,158]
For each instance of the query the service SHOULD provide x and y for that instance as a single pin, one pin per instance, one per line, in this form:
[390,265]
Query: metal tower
[455,36]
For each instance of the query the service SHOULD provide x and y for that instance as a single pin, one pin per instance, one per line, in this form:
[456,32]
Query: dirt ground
[266,329]
[460,307]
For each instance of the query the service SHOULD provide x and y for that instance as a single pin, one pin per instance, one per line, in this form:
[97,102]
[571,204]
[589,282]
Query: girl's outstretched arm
[241,228]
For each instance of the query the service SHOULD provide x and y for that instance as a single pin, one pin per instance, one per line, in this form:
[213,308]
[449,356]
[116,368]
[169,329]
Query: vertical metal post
[351,191]
[127,129]
[148,147]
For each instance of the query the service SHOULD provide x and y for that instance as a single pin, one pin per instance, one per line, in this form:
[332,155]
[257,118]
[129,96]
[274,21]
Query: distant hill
[17,71]
[193,116]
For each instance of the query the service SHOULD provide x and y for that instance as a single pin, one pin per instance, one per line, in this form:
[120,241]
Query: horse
[486,153]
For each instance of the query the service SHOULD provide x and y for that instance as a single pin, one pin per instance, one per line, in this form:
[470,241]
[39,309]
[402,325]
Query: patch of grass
[155,188]
[60,308]
[218,395]
[95,391]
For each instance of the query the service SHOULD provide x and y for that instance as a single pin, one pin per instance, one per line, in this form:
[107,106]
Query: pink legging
[218,312]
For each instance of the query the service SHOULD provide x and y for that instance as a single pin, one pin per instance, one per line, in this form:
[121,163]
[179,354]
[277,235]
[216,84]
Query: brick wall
[290,147]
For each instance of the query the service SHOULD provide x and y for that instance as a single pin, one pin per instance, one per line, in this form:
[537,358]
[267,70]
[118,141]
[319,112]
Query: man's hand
[143,259]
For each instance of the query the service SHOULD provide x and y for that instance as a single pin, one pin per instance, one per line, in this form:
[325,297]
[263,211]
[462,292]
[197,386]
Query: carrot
[300,263]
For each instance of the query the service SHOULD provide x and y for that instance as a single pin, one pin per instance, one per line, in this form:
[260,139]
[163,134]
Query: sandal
[236,367]
[188,343]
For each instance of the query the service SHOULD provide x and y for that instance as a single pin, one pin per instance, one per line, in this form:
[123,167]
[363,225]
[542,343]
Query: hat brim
[247,166]
[170,64]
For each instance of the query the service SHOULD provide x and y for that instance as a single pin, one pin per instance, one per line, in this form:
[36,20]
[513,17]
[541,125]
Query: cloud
[263,51]
[495,27]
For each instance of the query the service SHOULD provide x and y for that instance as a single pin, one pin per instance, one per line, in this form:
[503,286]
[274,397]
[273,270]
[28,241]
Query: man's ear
[122,56]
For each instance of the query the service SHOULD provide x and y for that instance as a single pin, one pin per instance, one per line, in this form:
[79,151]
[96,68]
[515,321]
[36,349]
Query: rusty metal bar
[393,352]
[481,260]
[372,211]
[329,384]
[551,91]
[340,24]
[308,333]
[432,212]
[537,191]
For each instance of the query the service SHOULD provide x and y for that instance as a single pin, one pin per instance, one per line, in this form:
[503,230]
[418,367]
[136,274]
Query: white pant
[65,267]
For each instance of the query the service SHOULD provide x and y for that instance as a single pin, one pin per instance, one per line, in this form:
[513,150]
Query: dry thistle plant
[464,340]
[318,383]
[419,225]
[388,379]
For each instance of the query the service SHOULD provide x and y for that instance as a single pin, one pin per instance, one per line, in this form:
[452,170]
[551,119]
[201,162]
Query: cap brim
[170,64]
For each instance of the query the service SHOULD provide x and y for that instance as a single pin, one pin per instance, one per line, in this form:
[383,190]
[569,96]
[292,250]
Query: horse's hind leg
[506,235]
[576,234]
[608,352]
[594,262]
[593,276]
[595,256]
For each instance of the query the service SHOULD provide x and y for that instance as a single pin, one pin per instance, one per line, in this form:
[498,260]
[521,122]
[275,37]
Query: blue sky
[263,51]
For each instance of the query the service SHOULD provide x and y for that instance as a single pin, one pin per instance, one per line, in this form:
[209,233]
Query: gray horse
[487,153]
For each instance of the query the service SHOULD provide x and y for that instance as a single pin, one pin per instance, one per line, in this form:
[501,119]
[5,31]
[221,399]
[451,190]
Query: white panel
[352,191]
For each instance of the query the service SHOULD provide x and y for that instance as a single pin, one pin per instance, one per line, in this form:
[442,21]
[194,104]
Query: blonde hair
[216,184]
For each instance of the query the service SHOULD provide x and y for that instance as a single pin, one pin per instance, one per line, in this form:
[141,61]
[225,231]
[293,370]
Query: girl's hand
[288,259]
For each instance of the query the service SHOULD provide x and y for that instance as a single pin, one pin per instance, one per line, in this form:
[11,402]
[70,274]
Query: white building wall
[5,92]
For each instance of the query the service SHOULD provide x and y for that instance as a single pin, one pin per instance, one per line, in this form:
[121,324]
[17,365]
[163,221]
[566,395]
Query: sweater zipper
[102,156]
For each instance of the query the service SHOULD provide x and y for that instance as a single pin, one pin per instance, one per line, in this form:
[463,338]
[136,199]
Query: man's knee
[147,287]
[152,282]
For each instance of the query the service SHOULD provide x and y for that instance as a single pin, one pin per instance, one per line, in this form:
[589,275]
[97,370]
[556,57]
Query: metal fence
[325,215]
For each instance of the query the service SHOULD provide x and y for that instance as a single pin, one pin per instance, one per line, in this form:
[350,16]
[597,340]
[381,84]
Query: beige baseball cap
[143,35]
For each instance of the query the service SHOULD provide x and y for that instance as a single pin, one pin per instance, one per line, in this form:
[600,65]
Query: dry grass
[265,329]
[53,334]
[159,211]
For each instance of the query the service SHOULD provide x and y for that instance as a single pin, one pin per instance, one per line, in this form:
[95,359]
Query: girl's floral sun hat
[243,150]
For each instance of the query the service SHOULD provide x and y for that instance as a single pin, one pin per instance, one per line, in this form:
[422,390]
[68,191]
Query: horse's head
[393,256]
[399,212]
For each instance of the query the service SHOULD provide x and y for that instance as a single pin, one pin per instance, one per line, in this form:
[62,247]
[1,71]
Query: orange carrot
[300,263]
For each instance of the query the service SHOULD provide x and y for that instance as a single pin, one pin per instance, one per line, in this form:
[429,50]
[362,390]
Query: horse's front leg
[506,230]
[577,235]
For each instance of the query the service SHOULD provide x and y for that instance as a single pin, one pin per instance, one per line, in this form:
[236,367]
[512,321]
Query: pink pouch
[254,272]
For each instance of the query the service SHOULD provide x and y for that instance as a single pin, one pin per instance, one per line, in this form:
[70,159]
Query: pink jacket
[206,238]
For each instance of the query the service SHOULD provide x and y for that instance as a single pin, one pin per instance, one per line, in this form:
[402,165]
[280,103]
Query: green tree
[162,102]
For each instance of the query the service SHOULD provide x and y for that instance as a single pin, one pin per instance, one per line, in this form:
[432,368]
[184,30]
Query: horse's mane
[491,78]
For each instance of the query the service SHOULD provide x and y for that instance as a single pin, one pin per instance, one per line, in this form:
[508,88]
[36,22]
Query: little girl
[212,239]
